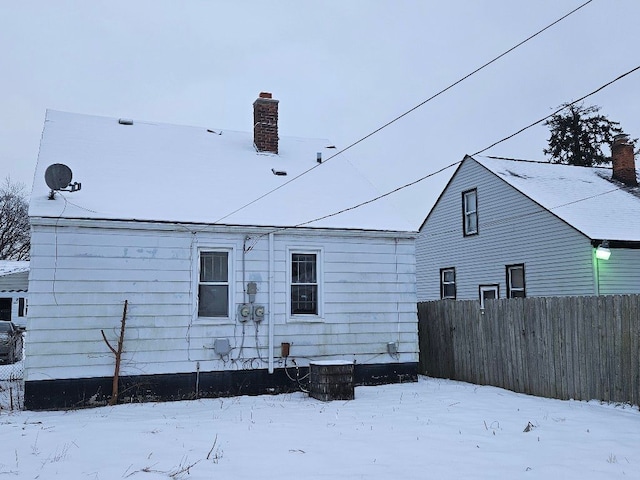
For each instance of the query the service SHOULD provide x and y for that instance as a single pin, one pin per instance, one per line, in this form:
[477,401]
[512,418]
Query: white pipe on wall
[272,283]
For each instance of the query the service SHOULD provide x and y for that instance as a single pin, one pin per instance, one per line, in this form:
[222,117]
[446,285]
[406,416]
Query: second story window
[470,212]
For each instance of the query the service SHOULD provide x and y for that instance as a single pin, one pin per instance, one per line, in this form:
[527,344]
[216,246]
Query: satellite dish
[58,176]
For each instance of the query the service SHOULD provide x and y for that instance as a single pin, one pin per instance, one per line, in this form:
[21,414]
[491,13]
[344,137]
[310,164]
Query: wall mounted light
[603,252]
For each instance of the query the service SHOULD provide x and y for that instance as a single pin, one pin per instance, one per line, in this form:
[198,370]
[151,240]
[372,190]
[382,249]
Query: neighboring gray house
[224,292]
[14,282]
[505,228]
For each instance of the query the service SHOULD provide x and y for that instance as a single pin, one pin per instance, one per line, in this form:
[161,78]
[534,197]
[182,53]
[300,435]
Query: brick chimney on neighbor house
[622,158]
[265,123]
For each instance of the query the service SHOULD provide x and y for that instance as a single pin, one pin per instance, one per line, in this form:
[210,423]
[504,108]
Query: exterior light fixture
[603,252]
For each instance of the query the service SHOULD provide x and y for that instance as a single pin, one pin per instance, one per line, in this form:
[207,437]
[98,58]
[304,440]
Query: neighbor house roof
[585,198]
[9,267]
[157,172]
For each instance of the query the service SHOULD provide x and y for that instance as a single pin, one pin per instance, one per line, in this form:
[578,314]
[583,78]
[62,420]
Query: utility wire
[512,218]
[408,111]
[559,110]
[456,163]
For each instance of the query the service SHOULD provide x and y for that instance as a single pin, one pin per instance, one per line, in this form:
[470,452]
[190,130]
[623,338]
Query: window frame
[442,283]
[230,251]
[487,287]
[306,317]
[466,213]
[510,289]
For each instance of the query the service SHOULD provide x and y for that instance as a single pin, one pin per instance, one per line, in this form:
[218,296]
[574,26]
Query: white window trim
[230,249]
[488,288]
[306,318]
[467,212]
[510,288]
[442,283]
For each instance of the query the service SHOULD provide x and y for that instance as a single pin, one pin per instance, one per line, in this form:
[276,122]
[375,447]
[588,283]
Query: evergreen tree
[578,134]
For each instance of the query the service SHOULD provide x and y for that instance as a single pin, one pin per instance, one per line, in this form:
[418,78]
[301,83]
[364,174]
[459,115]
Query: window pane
[470,202]
[303,268]
[214,266]
[472,223]
[488,294]
[449,290]
[517,293]
[517,277]
[213,301]
[448,276]
[304,299]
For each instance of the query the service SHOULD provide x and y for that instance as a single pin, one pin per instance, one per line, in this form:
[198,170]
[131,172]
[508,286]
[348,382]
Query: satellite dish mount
[58,177]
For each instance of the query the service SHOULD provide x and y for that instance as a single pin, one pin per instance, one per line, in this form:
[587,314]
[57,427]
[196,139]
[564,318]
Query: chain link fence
[12,379]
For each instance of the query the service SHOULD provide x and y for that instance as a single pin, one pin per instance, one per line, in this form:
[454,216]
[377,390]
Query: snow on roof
[159,172]
[9,267]
[586,198]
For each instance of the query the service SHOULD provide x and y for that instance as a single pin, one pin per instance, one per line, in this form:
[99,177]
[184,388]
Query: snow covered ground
[431,429]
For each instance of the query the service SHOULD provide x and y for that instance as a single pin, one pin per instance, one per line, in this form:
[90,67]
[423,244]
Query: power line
[477,153]
[356,206]
[559,110]
[408,111]
[507,220]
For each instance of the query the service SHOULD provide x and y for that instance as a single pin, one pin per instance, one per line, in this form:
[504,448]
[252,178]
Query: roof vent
[280,173]
[125,121]
[319,157]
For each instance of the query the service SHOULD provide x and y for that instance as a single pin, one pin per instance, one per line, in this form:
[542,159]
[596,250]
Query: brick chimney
[624,165]
[265,123]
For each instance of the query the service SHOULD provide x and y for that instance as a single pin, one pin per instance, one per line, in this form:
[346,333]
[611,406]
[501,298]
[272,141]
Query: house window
[213,286]
[470,212]
[448,283]
[22,307]
[304,283]
[515,281]
[488,292]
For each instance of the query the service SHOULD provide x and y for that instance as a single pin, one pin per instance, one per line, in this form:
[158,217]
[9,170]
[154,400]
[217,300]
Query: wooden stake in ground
[117,352]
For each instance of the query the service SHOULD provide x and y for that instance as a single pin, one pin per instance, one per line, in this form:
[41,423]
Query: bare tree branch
[15,233]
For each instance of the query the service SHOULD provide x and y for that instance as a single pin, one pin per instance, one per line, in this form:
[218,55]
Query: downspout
[270,311]
[244,269]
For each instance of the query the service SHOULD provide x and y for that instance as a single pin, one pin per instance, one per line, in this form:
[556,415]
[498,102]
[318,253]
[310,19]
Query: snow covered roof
[9,267]
[585,198]
[158,172]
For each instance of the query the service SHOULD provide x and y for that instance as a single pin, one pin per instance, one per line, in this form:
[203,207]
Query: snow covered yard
[430,429]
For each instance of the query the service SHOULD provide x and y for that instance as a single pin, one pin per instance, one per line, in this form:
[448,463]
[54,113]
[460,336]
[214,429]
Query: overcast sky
[340,69]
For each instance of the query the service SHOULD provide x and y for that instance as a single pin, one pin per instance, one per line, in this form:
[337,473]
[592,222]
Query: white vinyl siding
[515,230]
[621,273]
[80,278]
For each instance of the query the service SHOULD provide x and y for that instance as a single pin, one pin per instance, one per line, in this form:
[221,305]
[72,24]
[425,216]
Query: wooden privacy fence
[560,347]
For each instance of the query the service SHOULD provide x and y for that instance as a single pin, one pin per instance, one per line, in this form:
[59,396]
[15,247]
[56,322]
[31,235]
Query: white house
[505,228]
[14,282]
[225,245]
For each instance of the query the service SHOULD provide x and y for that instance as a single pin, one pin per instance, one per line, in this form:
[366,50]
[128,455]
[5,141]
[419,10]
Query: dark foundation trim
[91,392]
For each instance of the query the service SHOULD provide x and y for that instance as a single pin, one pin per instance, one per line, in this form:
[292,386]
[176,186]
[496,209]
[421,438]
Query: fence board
[562,347]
